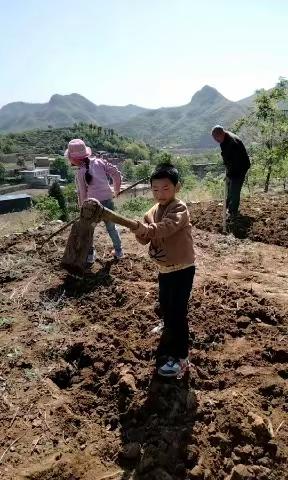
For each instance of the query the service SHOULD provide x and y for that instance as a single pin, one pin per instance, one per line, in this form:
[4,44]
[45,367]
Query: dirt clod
[259,426]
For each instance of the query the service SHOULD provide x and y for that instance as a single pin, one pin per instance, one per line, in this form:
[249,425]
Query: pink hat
[77,151]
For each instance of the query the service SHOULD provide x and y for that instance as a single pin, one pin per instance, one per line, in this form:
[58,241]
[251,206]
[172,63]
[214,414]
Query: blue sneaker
[117,254]
[174,368]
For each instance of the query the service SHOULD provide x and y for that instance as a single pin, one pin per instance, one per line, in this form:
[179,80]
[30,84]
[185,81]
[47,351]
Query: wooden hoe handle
[93,211]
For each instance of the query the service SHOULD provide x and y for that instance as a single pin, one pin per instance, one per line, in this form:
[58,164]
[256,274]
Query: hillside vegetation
[53,141]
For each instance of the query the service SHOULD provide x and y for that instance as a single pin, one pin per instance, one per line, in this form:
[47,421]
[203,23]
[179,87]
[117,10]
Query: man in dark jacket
[237,163]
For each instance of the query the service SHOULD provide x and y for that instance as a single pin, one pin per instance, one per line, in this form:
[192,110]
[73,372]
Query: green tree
[128,170]
[162,157]
[281,170]
[108,146]
[143,170]
[61,167]
[180,163]
[267,126]
[136,152]
[183,168]
[8,147]
[56,192]
[2,173]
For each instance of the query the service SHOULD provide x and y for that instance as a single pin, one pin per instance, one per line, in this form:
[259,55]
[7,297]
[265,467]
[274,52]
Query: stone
[56,222]
[240,472]
[131,451]
[127,383]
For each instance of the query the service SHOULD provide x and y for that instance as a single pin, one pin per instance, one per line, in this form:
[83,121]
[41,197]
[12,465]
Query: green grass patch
[136,207]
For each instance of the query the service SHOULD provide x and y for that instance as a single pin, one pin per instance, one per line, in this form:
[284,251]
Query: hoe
[80,239]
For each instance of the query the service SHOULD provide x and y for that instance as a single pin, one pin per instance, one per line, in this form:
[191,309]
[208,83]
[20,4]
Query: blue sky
[148,52]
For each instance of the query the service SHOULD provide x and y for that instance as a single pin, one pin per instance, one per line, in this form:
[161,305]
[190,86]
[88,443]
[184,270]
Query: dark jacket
[235,156]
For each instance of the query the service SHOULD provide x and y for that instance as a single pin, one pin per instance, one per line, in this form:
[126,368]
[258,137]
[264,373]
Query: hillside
[53,141]
[61,111]
[185,126]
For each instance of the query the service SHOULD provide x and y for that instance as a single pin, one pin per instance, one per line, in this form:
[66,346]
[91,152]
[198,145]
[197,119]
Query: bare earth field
[79,396]
[263,218]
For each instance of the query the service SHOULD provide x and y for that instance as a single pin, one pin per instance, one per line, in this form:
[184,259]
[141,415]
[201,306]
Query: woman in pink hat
[92,182]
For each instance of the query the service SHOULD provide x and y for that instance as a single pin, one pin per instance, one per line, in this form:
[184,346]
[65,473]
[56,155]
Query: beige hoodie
[169,232]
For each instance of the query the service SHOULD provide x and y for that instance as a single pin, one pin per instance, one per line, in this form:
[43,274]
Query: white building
[40,177]
[36,178]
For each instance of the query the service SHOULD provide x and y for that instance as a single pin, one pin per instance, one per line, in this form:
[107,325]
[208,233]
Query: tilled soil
[80,397]
[261,219]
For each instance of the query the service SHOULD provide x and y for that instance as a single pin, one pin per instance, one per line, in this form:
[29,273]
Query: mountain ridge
[184,126]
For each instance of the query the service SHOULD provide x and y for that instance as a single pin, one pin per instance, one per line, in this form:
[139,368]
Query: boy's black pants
[174,293]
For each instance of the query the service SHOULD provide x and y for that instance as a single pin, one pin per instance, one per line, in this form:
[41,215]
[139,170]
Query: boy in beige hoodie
[168,230]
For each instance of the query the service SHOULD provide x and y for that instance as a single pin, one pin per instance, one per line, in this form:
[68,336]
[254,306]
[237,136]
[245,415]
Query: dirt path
[79,396]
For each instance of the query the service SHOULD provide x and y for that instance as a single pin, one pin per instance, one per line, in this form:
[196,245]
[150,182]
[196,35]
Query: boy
[168,230]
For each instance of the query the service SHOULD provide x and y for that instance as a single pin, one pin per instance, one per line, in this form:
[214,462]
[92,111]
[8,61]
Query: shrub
[71,198]
[56,192]
[49,206]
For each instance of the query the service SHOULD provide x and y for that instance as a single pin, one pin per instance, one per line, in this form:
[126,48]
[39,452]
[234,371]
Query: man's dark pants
[234,186]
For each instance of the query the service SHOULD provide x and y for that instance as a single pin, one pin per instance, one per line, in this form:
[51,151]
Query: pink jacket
[99,187]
